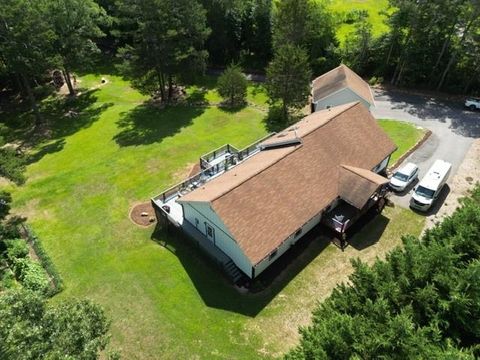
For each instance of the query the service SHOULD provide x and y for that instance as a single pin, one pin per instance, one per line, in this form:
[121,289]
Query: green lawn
[403,134]
[375,16]
[166,301]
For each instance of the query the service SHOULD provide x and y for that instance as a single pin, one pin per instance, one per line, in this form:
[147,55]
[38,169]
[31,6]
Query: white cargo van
[431,185]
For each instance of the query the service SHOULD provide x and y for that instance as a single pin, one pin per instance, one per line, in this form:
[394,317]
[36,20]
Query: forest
[159,43]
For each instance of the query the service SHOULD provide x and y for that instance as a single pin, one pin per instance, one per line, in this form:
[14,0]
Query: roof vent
[281,140]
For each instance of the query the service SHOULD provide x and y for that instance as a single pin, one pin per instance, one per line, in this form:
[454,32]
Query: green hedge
[45,260]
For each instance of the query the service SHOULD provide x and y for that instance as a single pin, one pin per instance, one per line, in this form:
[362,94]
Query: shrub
[5,200]
[8,280]
[31,275]
[12,165]
[355,15]
[45,261]
[275,120]
[16,248]
[375,80]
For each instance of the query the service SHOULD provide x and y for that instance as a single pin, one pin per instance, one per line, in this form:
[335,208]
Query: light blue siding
[341,97]
[224,240]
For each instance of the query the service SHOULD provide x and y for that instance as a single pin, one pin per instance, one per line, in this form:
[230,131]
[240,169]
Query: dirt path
[467,175]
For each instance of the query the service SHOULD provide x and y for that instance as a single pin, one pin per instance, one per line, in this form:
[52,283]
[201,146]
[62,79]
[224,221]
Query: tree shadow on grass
[63,116]
[50,148]
[214,288]
[66,116]
[225,107]
[147,124]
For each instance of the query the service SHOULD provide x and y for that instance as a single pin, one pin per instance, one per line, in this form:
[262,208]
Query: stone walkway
[467,175]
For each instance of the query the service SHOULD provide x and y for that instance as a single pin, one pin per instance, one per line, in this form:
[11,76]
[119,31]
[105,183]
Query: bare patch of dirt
[187,171]
[467,175]
[195,169]
[143,214]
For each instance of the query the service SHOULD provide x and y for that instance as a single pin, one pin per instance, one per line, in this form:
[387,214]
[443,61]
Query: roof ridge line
[289,153]
[346,167]
[255,174]
[329,71]
[350,105]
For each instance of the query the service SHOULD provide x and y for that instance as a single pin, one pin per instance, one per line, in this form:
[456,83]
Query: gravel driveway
[453,131]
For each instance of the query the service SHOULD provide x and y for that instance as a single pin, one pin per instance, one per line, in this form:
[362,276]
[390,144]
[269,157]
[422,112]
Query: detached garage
[340,86]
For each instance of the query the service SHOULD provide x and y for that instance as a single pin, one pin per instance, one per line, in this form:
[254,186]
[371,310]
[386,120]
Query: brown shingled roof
[269,196]
[339,78]
[356,185]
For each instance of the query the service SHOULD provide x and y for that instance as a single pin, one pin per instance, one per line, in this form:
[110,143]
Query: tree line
[160,43]
[422,301]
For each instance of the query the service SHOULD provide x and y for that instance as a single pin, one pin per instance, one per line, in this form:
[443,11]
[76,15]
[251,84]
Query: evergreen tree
[288,78]
[308,24]
[422,301]
[232,85]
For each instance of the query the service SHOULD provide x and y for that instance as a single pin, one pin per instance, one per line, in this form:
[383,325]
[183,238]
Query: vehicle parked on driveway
[403,177]
[431,185]
[473,103]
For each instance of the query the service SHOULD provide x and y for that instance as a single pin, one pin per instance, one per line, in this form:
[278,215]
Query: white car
[473,104]
[403,177]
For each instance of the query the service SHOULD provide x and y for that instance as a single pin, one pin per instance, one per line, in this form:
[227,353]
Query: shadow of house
[368,230]
[146,124]
[462,122]
[217,292]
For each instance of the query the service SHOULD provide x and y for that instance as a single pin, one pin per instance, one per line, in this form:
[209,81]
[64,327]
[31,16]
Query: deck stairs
[232,271]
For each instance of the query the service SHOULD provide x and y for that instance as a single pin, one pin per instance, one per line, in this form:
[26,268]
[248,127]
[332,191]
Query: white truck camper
[431,185]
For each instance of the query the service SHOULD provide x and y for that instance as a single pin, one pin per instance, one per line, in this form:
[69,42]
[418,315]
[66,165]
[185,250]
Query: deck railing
[209,171]
[222,150]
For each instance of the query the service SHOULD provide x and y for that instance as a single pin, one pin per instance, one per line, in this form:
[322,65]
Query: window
[298,232]
[196,222]
[272,255]
[210,232]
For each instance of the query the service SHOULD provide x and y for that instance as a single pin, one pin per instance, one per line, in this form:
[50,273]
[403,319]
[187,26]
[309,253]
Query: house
[340,86]
[251,205]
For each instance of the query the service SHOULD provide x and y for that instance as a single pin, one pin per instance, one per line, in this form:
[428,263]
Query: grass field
[375,16]
[403,134]
[167,301]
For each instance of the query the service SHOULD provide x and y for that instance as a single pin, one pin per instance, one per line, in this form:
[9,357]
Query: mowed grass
[403,134]
[165,300]
[376,16]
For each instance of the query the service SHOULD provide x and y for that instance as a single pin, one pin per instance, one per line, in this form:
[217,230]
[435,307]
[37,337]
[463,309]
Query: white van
[431,185]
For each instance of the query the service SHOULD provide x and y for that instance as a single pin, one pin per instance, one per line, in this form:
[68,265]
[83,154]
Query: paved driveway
[453,129]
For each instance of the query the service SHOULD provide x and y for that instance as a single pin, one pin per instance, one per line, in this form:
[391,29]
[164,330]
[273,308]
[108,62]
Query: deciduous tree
[76,25]
[168,44]
[32,329]
[26,43]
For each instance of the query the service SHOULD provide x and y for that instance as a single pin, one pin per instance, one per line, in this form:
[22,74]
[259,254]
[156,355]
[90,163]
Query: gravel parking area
[467,175]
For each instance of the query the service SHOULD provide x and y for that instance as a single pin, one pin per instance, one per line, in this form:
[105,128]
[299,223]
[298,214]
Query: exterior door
[210,232]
